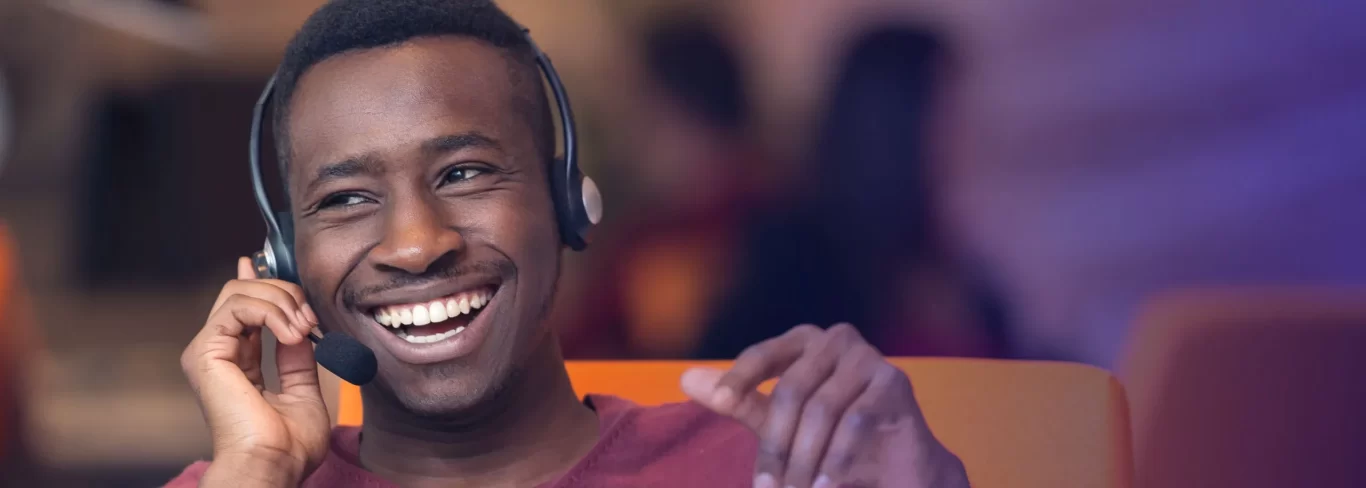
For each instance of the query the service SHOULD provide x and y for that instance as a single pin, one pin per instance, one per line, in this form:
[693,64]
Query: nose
[415,237]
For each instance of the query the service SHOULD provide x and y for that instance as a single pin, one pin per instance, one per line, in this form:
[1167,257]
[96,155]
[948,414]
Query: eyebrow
[360,165]
[456,142]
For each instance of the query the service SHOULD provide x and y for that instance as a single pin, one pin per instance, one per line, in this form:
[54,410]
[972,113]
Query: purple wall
[1100,151]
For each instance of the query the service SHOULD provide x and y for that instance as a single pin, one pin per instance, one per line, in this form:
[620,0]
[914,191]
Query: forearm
[250,472]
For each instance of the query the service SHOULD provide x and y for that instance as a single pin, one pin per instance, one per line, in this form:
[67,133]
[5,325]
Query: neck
[538,431]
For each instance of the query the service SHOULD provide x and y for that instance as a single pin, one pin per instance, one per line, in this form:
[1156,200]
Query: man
[415,138]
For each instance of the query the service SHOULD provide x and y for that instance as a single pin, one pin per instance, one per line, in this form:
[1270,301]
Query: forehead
[388,99]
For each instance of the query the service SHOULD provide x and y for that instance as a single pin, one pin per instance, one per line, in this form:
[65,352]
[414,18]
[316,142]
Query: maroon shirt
[676,445]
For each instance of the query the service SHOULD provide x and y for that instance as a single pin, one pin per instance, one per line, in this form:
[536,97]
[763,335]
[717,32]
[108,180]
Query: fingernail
[304,326]
[722,398]
[765,480]
[308,312]
[824,482]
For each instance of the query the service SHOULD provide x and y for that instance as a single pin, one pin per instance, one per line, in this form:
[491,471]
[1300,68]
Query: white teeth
[437,311]
[432,312]
[428,339]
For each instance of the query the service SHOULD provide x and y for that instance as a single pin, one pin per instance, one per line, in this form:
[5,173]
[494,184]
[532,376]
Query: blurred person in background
[859,239]
[696,184]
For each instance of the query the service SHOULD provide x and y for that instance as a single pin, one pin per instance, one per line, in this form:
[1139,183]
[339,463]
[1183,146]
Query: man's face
[419,194]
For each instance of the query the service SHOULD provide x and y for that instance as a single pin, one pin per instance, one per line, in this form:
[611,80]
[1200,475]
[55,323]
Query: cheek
[524,229]
[522,224]
[325,256]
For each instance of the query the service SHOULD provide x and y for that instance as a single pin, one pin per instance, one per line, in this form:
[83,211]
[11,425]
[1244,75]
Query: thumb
[245,271]
[702,385]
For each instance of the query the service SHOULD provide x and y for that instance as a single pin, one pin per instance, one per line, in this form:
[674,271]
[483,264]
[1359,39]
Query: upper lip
[423,293]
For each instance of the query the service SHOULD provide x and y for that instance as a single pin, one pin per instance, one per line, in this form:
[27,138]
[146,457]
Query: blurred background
[1027,179]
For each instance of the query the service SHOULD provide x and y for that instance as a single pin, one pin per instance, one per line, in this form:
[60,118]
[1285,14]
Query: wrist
[255,470]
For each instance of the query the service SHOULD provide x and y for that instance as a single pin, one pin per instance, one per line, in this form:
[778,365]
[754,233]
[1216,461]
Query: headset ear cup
[263,262]
[282,246]
[578,204]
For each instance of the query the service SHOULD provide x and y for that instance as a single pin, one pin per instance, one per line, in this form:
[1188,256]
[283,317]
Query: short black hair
[342,26]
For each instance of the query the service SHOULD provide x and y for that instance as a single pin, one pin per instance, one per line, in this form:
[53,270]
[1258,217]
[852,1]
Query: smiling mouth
[434,320]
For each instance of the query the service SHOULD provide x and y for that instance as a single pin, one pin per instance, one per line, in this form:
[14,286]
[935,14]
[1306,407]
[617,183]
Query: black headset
[578,207]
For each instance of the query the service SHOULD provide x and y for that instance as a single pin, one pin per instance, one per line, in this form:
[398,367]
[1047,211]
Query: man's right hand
[260,438]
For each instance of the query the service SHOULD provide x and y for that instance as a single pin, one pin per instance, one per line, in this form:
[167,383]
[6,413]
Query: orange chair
[1252,388]
[1016,424]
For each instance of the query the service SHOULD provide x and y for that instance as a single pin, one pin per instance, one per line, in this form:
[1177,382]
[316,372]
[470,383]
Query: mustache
[503,269]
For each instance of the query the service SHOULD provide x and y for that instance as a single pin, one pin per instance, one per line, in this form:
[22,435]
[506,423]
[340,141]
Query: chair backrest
[1249,388]
[1017,424]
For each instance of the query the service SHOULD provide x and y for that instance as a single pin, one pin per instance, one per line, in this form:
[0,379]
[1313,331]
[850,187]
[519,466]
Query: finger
[884,410]
[308,312]
[249,358]
[244,286]
[240,312]
[298,371]
[245,270]
[304,312]
[790,396]
[284,295]
[824,410]
[757,363]
[216,349]
[700,383]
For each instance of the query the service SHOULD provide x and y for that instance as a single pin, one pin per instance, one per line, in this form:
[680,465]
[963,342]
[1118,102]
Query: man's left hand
[840,414]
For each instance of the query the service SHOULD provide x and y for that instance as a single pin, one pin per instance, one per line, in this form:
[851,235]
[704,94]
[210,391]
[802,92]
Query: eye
[342,200]
[461,173]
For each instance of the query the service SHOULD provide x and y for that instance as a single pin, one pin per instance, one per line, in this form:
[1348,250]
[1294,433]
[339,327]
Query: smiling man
[416,140]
